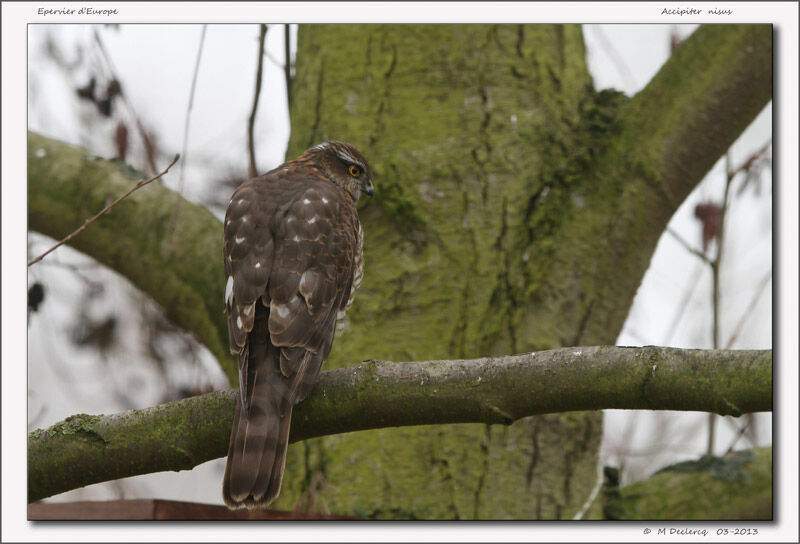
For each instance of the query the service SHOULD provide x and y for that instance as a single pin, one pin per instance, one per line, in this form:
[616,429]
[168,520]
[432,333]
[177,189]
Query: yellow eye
[354,170]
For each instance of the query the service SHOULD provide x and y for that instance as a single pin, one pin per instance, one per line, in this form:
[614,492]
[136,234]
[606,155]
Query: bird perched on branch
[293,257]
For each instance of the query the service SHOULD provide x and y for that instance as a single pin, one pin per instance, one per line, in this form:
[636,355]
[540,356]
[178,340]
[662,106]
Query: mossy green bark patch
[737,486]
[516,209]
[83,450]
[461,124]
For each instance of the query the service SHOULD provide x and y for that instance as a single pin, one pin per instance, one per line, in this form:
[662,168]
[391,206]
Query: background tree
[499,168]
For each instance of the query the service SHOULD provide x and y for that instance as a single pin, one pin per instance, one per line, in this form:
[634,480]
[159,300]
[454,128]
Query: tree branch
[180,435]
[656,148]
[141,183]
[712,87]
[185,146]
[251,121]
[287,64]
[66,185]
[687,246]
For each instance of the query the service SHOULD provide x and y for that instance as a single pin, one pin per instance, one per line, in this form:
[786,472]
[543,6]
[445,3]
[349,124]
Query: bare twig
[730,174]
[252,121]
[178,197]
[715,269]
[102,212]
[273,60]
[688,246]
[287,64]
[753,165]
[189,107]
[615,58]
[757,154]
[592,495]
[749,310]
[741,432]
[683,305]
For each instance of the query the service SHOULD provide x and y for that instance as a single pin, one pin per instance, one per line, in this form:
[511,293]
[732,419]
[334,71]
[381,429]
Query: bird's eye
[354,170]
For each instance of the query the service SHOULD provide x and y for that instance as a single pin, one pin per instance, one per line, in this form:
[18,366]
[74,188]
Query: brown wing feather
[313,267]
[289,243]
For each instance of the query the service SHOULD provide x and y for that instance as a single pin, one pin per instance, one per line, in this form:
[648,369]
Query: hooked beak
[369,189]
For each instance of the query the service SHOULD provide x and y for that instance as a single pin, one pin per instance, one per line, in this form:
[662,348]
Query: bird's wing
[248,255]
[315,244]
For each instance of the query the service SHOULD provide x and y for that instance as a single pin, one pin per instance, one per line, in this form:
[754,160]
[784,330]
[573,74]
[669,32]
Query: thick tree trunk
[460,124]
[514,211]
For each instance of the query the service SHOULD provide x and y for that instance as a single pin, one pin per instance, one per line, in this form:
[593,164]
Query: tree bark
[181,270]
[179,435]
[737,486]
[516,209]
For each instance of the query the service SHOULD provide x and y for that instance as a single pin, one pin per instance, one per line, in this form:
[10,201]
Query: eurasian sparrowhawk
[293,259]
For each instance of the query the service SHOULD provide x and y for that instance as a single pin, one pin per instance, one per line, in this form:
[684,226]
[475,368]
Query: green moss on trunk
[514,211]
[462,125]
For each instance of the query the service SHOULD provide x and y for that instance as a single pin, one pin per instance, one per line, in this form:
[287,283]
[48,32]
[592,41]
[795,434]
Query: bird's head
[345,166]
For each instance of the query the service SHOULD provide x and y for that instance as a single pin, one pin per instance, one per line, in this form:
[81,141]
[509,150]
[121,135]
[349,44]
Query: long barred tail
[260,435]
[256,459]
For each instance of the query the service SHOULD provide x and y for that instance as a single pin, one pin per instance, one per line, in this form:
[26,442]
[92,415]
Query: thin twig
[730,173]
[741,432]
[252,121]
[273,60]
[687,246]
[716,263]
[592,495]
[749,309]
[287,64]
[88,222]
[753,156]
[179,196]
[615,58]
[683,305]
[189,107]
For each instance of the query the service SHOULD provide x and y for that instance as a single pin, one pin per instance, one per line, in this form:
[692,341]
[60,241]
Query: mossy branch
[180,435]
[182,274]
[696,106]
